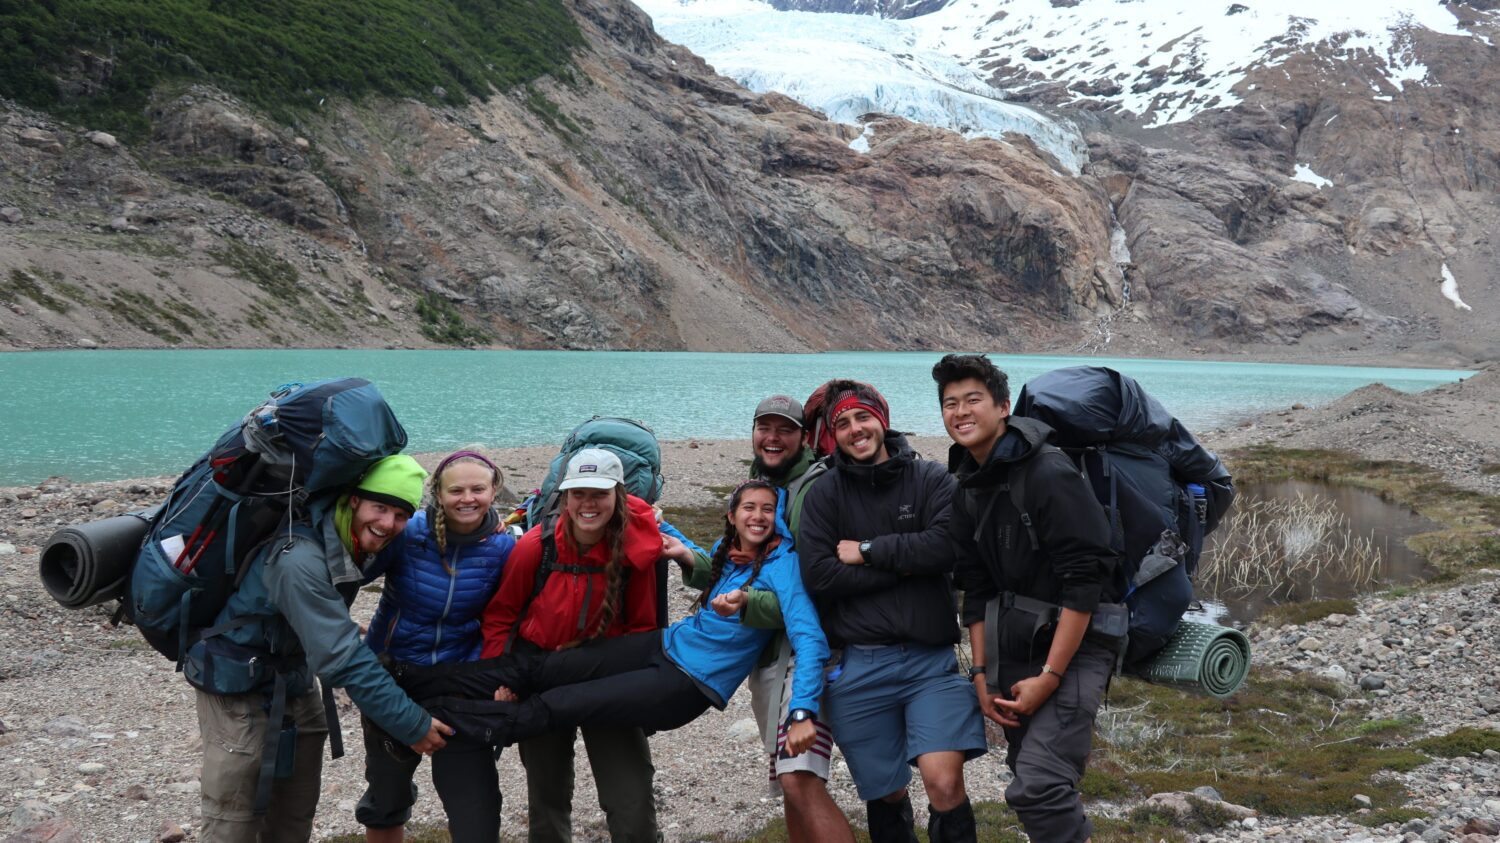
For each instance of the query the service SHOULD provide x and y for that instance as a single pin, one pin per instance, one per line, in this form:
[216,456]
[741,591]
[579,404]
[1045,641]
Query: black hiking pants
[1049,750]
[624,681]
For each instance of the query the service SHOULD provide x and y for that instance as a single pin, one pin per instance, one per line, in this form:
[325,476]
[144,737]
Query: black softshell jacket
[1074,567]
[904,593]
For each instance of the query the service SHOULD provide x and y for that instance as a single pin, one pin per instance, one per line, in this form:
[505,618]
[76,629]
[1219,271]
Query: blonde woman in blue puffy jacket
[439,575]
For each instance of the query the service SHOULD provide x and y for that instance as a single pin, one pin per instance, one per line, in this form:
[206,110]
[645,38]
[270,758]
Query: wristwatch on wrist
[864,549]
[1047,668]
[800,714]
[976,670]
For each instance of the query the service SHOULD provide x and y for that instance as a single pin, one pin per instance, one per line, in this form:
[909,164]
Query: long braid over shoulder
[614,570]
[716,565]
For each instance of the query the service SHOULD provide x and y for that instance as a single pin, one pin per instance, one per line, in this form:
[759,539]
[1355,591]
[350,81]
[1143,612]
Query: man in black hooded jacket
[877,557]
[1034,550]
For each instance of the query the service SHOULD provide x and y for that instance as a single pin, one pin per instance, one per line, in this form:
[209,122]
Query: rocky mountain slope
[1314,177]
[640,201]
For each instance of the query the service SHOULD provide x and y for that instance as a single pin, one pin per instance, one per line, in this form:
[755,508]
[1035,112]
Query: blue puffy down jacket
[429,613]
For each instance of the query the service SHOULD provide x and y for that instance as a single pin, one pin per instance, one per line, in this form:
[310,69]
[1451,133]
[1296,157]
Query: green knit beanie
[395,480]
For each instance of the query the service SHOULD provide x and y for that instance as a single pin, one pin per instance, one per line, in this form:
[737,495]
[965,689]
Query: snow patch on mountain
[848,66]
[1304,172]
[1449,288]
[1168,60]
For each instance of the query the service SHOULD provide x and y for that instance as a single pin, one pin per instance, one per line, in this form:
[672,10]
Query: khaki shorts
[818,759]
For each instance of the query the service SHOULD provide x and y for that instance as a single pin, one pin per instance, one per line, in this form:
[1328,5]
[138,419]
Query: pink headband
[458,455]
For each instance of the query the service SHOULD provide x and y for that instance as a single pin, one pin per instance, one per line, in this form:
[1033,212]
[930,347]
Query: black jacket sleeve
[817,546]
[1073,531]
[929,549]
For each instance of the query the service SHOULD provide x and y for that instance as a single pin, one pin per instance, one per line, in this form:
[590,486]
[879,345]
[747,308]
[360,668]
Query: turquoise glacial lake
[101,415]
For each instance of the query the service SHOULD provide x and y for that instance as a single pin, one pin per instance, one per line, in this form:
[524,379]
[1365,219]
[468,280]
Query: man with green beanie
[263,749]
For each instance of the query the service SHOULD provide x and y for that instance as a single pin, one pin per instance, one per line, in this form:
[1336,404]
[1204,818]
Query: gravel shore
[97,729]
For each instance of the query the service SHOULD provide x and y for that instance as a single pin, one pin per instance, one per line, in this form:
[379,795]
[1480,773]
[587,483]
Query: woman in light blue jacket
[655,680]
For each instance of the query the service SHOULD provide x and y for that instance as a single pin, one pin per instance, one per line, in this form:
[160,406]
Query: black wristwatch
[800,714]
[864,549]
[976,670]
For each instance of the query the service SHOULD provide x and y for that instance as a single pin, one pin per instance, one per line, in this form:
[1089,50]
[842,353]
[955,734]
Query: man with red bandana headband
[877,557]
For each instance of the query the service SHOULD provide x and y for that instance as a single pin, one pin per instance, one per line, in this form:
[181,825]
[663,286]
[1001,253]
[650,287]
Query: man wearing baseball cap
[877,557]
[776,437]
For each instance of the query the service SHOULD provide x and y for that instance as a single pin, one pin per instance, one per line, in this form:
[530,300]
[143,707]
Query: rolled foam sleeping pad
[89,564]
[1201,658]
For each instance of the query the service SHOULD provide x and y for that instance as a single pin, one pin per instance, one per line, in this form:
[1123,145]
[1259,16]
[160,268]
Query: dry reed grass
[1278,545]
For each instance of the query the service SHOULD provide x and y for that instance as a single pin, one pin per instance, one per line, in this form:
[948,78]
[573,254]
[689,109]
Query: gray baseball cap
[781,405]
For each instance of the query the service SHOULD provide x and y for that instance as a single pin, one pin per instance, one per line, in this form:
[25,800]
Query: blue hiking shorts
[892,703]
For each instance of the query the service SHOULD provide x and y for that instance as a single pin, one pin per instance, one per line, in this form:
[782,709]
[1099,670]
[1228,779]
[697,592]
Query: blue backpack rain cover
[286,461]
[1162,491]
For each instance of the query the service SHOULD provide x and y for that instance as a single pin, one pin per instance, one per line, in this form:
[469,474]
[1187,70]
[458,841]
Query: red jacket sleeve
[504,608]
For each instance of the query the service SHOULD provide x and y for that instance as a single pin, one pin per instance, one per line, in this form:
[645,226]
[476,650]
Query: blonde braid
[439,523]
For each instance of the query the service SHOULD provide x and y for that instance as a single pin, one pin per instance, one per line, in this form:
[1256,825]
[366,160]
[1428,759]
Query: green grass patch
[1490,468]
[1465,741]
[263,268]
[1389,816]
[147,314]
[442,323]
[96,61]
[1282,745]
[74,292]
[1306,612]
[548,112]
[1470,520]
[23,284]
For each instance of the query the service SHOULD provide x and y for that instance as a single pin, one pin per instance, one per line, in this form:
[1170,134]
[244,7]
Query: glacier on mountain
[1163,60]
[848,66]
[1171,59]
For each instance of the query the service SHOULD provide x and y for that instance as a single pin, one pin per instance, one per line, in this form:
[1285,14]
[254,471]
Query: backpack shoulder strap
[543,571]
[1018,500]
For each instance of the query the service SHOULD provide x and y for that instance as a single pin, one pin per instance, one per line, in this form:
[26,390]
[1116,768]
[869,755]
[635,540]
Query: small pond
[1296,540]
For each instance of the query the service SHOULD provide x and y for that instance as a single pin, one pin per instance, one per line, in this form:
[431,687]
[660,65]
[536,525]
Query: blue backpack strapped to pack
[286,460]
[640,455]
[1162,490]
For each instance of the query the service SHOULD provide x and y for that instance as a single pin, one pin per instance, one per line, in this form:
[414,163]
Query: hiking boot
[955,825]
[891,822]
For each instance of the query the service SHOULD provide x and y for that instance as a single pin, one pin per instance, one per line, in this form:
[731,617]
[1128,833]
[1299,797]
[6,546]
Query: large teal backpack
[632,441]
[287,460]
